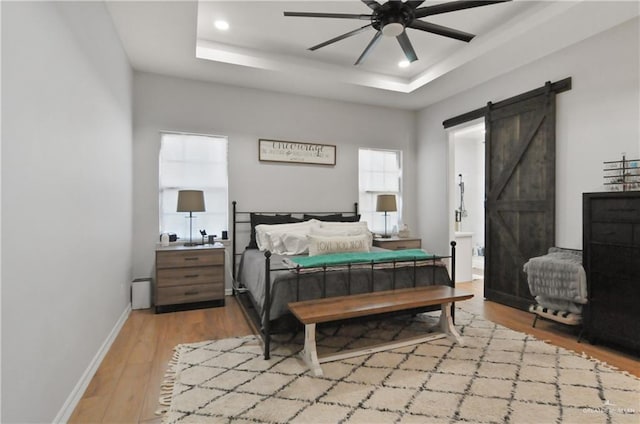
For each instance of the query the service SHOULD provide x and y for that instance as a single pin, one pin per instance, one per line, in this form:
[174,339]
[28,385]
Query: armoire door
[519,193]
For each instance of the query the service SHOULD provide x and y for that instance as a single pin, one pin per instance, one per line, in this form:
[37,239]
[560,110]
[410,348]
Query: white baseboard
[76,394]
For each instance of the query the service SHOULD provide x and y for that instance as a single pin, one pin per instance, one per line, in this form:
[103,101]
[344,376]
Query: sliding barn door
[519,193]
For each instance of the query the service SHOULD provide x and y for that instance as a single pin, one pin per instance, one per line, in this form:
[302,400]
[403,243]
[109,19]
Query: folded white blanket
[558,275]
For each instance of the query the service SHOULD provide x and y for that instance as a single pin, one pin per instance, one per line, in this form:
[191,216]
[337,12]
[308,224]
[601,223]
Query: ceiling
[264,49]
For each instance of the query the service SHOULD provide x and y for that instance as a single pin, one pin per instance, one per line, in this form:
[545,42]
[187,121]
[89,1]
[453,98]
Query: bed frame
[262,325]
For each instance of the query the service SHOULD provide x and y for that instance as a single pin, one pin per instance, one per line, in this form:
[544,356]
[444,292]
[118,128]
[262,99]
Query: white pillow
[261,236]
[342,225]
[289,242]
[320,245]
[268,236]
[337,229]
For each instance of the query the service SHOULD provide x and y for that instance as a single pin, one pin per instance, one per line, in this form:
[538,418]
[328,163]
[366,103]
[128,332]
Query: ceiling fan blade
[369,47]
[407,48]
[414,3]
[328,15]
[373,4]
[452,7]
[341,37]
[441,30]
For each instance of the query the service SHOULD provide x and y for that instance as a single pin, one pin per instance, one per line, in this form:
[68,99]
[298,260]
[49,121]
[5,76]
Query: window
[193,162]
[379,172]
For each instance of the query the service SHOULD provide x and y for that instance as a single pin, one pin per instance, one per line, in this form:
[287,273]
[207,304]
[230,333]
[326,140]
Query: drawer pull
[192,276]
[622,210]
[191,292]
[194,258]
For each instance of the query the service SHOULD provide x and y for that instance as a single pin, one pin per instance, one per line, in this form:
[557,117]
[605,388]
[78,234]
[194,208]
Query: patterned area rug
[499,376]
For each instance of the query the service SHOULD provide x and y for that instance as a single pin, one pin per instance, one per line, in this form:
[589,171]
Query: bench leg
[446,324]
[309,353]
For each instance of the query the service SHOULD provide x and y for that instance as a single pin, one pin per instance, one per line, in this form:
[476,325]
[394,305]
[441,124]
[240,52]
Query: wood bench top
[343,307]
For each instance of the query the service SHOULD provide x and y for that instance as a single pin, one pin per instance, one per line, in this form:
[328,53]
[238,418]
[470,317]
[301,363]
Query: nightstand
[189,277]
[397,243]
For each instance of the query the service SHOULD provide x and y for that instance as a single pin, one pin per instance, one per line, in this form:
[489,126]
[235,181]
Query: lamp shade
[190,201]
[386,203]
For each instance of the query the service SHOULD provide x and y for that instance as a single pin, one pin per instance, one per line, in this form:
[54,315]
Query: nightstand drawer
[189,258]
[189,293]
[194,275]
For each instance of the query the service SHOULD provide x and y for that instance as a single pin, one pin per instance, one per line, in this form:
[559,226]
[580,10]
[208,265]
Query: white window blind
[193,162]
[379,172]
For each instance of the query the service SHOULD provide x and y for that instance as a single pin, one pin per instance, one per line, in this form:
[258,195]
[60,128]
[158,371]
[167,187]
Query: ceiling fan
[393,17]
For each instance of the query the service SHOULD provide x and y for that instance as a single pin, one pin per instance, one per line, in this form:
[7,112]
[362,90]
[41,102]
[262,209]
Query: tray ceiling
[264,49]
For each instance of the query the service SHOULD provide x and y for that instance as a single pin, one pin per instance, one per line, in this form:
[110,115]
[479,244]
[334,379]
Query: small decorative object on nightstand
[189,276]
[396,243]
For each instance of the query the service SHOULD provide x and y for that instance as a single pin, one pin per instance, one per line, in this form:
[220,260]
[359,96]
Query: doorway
[519,191]
[466,198]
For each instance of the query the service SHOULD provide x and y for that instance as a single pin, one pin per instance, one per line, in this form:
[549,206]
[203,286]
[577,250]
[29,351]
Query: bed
[557,280]
[273,270]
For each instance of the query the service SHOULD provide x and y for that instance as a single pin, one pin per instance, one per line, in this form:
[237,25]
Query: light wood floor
[126,387]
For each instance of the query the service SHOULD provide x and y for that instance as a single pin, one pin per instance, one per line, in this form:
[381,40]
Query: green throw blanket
[360,257]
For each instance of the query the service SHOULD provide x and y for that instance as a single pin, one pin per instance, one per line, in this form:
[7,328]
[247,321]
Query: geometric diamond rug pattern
[498,376]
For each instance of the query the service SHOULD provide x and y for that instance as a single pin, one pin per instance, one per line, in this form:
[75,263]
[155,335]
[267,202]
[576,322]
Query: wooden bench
[315,311]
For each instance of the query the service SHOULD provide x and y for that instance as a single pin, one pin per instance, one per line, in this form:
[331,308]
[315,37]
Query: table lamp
[190,201]
[386,203]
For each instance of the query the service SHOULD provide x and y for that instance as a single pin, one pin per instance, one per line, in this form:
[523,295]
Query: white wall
[596,120]
[245,115]
[66,200]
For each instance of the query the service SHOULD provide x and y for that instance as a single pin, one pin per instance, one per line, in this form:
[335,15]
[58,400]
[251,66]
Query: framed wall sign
[296,152]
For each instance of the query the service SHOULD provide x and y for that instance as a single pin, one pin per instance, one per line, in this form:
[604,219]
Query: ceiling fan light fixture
[393,16]
[392,29]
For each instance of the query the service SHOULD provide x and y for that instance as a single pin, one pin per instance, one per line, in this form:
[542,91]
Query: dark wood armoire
[611,249]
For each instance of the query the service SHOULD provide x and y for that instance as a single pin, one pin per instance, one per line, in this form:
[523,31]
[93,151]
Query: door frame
[451,172]
[482,113]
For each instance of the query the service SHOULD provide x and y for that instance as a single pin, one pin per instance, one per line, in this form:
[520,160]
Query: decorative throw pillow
[331,229]
[343,225]
[350,218]
[320,245]
[332,217]
[344,232]
[338,217]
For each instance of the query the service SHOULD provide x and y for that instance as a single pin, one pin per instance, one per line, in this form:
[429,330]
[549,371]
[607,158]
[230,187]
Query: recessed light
[221,25]
[404,64]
